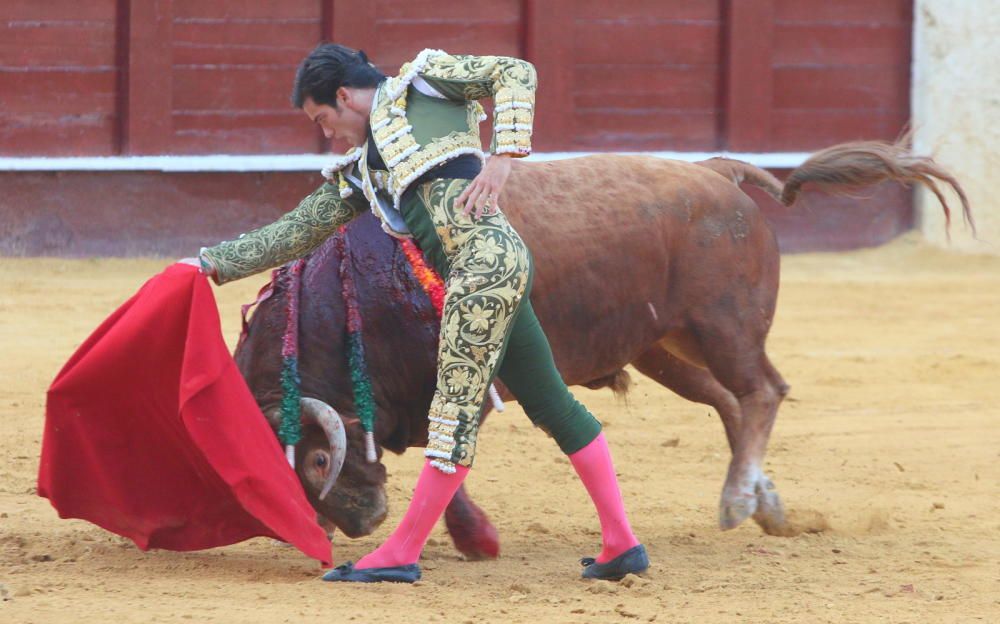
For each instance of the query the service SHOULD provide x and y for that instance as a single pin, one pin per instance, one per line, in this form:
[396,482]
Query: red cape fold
[152,433]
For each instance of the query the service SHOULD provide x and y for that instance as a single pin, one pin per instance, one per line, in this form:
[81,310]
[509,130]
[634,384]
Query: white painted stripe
[219,162]
[316,162]
[767,160]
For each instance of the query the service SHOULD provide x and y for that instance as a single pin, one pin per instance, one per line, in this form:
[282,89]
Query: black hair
[327,68]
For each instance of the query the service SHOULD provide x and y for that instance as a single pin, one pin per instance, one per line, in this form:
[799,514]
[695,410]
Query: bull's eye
[321,461]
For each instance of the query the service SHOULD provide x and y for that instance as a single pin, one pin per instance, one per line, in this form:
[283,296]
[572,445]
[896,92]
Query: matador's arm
[509,81]
[292,236]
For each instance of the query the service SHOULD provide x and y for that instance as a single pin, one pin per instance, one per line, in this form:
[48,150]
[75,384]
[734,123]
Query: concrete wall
[956,112]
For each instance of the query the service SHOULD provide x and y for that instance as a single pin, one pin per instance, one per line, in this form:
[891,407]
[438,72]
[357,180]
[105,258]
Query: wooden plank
[45,56]
[646,86]
[467,13]
[239,119]
[249,35]
[140,213]
[208,54]
[400,42]
[57,78]
[240,88]
[854,12]
[245,9]
[641,42]
[748,91]
[73,43]
[876,87]
[354,25]
[645,10]
[653,129]
[57,9]
[546,45]
[146,116]
[828,44]
[88,134]
[326,20]
[803,130]
[276,132]
[66,34]
[66,92]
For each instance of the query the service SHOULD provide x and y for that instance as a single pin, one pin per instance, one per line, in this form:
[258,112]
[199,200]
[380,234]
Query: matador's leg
[488,273]
[488,277]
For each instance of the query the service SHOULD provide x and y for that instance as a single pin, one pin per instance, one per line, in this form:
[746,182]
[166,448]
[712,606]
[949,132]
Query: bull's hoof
[770,514]
[733,510]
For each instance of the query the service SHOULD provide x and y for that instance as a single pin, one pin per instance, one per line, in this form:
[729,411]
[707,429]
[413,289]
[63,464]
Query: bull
[663,265]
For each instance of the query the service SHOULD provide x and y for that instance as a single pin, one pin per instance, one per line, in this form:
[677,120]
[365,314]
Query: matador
[418,164]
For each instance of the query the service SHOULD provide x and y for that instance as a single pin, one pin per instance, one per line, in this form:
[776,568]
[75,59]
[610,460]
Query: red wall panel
[749,75]
[645,76]
[404,27]
[102,77]
[840,71]
[58,77]
[233,62]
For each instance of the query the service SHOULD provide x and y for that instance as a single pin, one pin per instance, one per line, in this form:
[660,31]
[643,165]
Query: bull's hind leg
[770,514]
[679,363]
[737,360]
[693,383]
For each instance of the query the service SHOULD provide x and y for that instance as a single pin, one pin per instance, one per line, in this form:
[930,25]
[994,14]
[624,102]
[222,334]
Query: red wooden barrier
[58,77]
[130,213]
[106,77]
[213,76]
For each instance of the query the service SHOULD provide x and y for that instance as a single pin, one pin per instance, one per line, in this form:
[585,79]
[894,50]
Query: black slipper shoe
[398,574]
[632,561]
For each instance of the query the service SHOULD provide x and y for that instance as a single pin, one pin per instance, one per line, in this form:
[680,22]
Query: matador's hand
[483,193]
[203,267]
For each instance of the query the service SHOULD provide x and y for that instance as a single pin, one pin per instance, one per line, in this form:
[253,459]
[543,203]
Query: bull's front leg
[471,530]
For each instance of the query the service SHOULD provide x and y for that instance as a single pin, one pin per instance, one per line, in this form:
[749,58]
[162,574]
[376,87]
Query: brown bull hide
[665,265]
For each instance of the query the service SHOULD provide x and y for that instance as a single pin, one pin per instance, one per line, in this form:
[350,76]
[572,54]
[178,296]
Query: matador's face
[348,121]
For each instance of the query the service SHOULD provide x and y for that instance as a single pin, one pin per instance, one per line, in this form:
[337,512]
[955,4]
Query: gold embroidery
[511,83]
[489,273]
[434,153]
[292,236]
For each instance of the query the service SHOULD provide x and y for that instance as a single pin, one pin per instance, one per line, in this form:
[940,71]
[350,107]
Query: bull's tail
[738,171]
[848,167]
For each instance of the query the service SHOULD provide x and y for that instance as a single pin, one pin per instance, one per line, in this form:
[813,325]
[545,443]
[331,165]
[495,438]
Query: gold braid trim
[335,171]
[430,156]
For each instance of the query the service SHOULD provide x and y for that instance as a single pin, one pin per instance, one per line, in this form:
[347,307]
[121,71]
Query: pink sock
[434,491]
[593,465]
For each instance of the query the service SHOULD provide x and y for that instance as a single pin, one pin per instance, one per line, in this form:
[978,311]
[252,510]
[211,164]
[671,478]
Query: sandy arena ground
[890,439]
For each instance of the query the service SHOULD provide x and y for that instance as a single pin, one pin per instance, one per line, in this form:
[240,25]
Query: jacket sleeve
[292,236]
[509,81]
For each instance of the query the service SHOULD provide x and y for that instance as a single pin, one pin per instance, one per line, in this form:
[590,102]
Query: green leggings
[488,328]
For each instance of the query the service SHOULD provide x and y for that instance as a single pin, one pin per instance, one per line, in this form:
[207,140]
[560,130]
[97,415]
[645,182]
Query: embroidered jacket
[426,115]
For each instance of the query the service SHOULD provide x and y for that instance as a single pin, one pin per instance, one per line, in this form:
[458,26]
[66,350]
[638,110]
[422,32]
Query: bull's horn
[316,412]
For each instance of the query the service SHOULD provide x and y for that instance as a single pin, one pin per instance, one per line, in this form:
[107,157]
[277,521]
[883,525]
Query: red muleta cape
[152,433]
